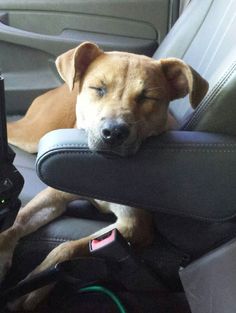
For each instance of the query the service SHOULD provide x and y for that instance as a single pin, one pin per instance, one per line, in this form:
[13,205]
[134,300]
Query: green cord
[108,292]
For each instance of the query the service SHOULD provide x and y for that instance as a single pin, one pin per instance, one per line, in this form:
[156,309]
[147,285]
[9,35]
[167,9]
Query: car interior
[186,177]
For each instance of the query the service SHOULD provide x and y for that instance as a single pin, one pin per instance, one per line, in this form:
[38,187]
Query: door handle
[53,45]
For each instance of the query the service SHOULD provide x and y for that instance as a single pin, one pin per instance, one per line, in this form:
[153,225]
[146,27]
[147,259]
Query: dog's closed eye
[100,91]
[144,95]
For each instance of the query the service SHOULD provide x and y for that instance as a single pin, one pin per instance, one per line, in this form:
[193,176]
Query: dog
[119,99]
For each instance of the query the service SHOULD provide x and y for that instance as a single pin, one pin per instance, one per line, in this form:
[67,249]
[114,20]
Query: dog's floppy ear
[72,64]
[182,79]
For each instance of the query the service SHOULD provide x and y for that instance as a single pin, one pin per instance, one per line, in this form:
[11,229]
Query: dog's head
[123,98]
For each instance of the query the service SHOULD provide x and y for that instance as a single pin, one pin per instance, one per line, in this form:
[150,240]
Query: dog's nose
[114,132]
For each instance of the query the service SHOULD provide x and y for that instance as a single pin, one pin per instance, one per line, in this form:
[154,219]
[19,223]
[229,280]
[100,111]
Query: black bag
[11,181]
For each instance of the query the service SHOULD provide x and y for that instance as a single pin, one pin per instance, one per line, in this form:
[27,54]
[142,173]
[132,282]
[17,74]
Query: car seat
[187,177]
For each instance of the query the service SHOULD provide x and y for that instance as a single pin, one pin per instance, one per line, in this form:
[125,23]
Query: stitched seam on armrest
[167,148]
[158,145]
[54,239]
[196,145]
[195,150]
[71,145]
[209,100]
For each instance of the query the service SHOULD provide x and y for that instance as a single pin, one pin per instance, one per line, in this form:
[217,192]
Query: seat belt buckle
[111,245]
[131,271]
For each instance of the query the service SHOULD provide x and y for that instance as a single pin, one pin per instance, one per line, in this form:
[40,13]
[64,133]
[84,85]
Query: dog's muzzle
[114,136]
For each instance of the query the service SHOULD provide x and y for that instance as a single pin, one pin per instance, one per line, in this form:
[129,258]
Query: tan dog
[120,99]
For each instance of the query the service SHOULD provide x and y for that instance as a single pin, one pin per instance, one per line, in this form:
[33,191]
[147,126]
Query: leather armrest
[184,173]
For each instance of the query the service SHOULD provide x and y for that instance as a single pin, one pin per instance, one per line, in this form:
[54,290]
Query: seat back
[204,37]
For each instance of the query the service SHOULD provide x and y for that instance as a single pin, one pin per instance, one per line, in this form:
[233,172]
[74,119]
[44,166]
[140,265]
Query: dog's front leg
[45,207]
[134,224]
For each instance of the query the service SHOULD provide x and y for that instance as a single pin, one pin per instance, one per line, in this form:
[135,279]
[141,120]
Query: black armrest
[185,173]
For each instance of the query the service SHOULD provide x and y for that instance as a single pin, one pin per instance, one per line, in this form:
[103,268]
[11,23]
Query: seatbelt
[183,5]
[111,261]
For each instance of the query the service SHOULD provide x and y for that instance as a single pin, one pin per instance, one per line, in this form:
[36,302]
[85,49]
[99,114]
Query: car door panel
[67,38]
[33,33]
